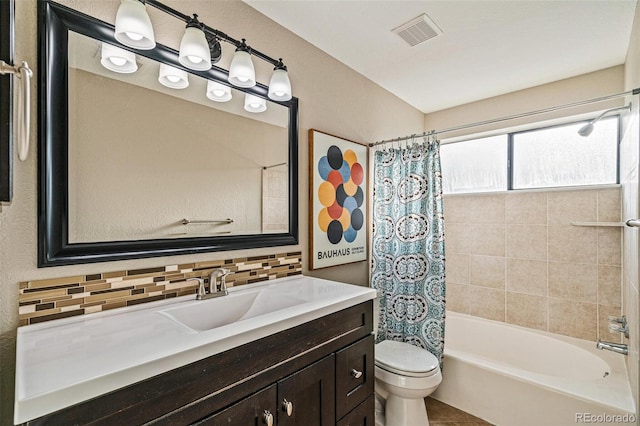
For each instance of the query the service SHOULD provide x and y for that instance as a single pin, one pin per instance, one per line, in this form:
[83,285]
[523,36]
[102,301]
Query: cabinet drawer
[252,410]
[354,375]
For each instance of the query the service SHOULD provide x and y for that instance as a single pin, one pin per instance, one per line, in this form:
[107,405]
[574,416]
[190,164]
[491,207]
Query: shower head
[588,128]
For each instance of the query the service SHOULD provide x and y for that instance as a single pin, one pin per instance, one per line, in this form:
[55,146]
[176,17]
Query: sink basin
[208,314]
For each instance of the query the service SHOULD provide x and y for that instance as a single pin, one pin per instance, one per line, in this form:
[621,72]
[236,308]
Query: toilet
[404,376]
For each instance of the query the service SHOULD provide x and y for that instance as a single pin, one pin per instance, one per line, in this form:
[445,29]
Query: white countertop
[63,362]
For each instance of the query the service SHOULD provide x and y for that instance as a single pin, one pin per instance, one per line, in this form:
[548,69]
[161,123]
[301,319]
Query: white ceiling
[487,47]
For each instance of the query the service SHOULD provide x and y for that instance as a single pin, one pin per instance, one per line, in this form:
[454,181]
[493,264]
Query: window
[540,158]
[475,166]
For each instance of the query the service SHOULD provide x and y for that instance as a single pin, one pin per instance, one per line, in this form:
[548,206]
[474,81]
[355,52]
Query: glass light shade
[241,72]
[280,86]
[218,92]
[172,77]
[194,50]
[118,60]
[133,26]
[254,104]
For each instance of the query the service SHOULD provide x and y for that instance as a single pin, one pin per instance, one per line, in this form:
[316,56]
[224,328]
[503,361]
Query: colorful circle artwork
[341,195]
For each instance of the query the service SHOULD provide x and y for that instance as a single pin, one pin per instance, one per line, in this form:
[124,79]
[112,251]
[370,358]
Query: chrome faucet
[214,289]
[617,325]
[620,348]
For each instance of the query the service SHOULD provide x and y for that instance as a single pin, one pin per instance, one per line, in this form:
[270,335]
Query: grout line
[548,316]
[504,199]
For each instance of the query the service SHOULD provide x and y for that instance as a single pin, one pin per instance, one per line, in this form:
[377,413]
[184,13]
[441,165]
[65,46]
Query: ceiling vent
[418,30]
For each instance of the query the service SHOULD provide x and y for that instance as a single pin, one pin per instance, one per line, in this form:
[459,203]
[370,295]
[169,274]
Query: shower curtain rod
[510,117]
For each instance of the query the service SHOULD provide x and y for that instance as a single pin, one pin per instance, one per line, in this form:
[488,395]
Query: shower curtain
[408,264]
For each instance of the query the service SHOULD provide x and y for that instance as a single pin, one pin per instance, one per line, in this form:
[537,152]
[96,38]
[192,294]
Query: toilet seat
[405,359]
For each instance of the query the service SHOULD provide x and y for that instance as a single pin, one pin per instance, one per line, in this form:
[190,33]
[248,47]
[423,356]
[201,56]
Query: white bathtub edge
[610,394]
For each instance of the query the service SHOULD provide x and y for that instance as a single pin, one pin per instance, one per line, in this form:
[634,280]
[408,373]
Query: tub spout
[620,348]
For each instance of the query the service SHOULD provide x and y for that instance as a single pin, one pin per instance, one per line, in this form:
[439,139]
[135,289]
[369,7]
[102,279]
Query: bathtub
[509,375]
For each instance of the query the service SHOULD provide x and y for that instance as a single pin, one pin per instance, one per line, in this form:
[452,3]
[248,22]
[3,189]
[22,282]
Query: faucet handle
[223,279]
[201,292]
[622,320]
[619,328]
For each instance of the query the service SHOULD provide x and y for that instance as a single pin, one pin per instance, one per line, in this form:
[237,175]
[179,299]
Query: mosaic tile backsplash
[45,300]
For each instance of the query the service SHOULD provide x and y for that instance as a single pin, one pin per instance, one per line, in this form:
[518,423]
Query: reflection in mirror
[138,162]
[136,172]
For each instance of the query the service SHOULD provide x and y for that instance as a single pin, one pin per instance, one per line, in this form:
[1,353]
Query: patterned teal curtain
[408,245]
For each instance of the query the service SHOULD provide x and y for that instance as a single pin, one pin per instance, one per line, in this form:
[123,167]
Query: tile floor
[441,414]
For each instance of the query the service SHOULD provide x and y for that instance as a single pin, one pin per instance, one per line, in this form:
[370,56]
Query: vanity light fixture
[172,77]
[195,52]
[218,92]
[280,86]
[255,104]
[118,60]
[241,71]
[215,50]
[133,25]
[200,46]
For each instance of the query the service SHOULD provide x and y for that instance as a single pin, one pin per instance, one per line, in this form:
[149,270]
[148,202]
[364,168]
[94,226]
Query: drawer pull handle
[267,418]
[287,407]
[355,373]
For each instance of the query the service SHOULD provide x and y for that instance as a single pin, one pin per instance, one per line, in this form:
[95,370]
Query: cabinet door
[307,397]
[258,409]
[362,415]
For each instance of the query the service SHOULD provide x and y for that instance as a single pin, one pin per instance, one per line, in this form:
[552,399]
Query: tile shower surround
[50,299]
[515,257]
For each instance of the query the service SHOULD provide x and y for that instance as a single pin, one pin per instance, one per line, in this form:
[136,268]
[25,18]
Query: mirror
[6,101]
[131,168]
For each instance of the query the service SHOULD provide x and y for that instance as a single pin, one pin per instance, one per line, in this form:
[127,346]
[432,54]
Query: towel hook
[24,73]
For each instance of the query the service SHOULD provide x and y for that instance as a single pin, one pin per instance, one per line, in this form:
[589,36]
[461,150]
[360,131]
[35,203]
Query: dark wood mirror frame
[7,24]
[54,249]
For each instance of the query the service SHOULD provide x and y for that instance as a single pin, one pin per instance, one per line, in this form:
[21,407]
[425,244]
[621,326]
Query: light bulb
[117,61]
[133,26]
[280,86]
[194,52]
[218,92]
[172,77]
[253,103]
[241,71]
[133,36]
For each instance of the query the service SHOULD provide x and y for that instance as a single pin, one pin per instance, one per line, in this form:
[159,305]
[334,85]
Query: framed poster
[337,200]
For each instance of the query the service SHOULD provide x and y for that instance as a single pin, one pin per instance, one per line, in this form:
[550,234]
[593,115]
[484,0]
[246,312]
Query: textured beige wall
[515,257]
[583,87]
[333,98]
[630,155]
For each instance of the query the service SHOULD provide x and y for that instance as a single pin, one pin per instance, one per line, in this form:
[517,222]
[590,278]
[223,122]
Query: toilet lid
[405,359]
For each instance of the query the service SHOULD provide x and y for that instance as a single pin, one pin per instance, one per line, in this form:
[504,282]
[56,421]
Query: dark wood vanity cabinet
[318,373]
[304,398]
